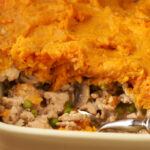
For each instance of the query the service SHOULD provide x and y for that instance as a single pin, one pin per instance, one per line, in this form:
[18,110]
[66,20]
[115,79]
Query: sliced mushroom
[1,90]
[80,95]
[29,79]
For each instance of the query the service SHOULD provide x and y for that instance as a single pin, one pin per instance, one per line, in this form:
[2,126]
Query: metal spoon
[129,125]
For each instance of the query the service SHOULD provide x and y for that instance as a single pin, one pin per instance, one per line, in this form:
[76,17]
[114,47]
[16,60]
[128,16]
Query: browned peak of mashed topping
[66,40]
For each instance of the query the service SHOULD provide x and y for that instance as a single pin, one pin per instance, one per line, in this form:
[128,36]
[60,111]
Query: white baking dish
[22,138]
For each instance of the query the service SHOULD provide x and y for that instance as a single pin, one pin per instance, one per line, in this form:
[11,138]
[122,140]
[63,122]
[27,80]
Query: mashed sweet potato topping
[65,40]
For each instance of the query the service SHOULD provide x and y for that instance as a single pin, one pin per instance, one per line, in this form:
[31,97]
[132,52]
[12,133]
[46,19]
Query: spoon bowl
[147,125]
[128,125]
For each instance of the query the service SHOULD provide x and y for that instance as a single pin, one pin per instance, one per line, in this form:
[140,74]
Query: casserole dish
[21,138]
[58,56]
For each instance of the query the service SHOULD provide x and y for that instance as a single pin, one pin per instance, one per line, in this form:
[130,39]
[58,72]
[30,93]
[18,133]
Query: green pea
[120,110]
[68,104]
[34,112]
[67,110]
[131,108]
[27,104]
[53,122]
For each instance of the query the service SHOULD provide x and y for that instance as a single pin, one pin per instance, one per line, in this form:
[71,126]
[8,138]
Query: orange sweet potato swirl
[67,40]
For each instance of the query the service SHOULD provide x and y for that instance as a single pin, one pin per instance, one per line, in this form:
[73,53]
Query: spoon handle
[129,125]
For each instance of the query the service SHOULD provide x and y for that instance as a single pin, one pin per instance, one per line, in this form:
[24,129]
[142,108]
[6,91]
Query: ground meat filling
[32,104]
